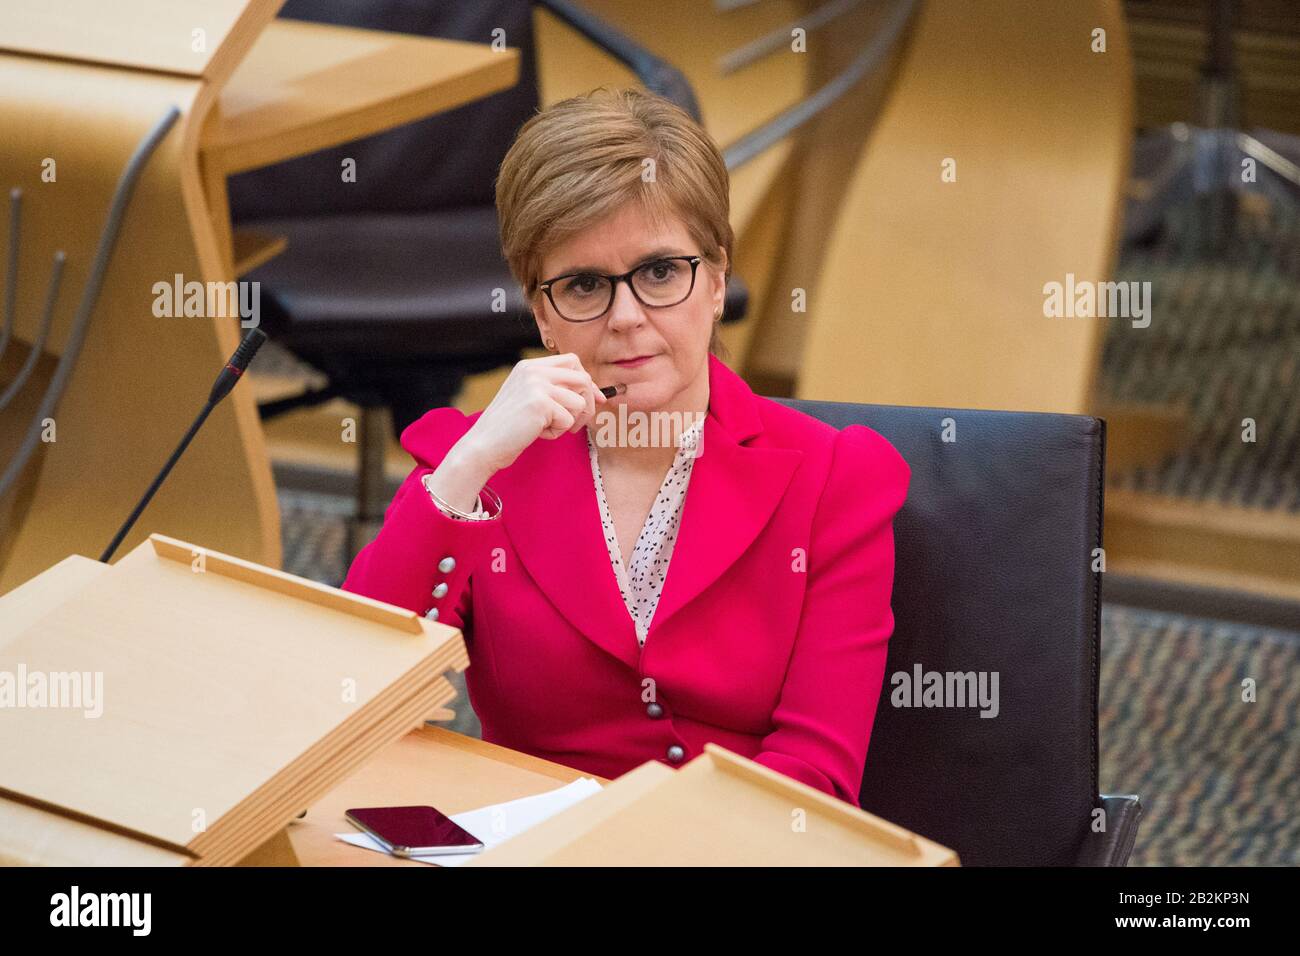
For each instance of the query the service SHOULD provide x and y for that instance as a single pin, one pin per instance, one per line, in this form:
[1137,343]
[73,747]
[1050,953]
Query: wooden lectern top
[199,702]
[720,809]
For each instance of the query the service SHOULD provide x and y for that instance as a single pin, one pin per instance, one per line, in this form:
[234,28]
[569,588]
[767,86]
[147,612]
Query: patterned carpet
[1219,778]
[1224,340]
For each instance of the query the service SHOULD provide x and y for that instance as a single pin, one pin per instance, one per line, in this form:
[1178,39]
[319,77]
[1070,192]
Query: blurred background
[909,178]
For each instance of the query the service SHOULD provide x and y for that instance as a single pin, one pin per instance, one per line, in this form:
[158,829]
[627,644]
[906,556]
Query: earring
[550,345]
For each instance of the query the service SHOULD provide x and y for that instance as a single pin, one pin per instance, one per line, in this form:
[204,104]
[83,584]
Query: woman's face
[676,337]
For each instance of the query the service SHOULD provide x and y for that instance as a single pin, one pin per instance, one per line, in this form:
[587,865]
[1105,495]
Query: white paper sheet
[498,822]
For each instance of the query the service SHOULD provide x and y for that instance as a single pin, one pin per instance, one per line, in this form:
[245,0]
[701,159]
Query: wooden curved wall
[931,291]
[140,379]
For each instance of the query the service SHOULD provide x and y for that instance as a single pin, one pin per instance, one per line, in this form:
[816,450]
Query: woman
[768,636]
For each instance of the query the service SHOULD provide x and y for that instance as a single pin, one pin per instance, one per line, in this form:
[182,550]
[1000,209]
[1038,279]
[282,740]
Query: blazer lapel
[733,491]
[552,517]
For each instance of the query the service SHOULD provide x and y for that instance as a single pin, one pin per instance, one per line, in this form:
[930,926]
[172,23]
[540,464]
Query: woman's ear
[720,296]
[543,326]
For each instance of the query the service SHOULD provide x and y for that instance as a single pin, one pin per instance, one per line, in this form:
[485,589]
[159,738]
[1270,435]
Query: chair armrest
[1112,848]
[655,74]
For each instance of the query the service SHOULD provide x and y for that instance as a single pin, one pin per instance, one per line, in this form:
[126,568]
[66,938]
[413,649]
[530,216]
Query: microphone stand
[220,389]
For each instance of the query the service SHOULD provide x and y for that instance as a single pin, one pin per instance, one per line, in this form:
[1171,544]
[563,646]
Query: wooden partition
[70,127]
[932,291]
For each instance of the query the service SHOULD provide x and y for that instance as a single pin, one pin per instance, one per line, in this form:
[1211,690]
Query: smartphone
[414,831]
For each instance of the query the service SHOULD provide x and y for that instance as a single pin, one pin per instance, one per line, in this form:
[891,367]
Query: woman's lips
[633,363]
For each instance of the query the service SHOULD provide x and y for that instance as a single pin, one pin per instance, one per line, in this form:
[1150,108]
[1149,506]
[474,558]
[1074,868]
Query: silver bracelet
[493,498]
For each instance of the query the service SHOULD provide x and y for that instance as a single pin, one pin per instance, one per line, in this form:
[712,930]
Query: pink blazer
[771,632]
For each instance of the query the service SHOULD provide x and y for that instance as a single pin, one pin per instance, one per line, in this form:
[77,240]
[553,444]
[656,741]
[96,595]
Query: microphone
[226,380]
[235,367]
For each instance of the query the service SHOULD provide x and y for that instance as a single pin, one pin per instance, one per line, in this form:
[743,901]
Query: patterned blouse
[642,582]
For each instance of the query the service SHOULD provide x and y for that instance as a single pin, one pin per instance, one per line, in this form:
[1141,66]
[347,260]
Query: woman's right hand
[541,398]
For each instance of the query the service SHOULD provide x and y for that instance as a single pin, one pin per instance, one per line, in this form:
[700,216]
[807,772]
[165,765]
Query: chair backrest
[994,550]
[440,162]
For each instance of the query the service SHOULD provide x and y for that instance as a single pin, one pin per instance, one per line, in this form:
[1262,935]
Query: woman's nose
[626,311]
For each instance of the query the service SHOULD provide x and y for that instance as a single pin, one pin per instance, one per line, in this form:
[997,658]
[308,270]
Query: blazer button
[654,711]
[676,753]
[441,590]
[432,614]
[447,565]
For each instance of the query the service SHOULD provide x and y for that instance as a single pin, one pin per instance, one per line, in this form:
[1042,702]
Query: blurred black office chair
[387,283]
[994,555]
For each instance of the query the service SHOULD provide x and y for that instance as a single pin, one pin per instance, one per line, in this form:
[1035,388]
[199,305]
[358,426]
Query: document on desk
[498,822]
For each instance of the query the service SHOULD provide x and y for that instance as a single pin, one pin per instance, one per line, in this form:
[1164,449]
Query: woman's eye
[661,271]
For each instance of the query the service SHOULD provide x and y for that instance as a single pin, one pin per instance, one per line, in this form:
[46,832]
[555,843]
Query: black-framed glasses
[657,284]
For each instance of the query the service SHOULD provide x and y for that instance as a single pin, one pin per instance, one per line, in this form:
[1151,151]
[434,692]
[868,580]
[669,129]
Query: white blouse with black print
[642,581]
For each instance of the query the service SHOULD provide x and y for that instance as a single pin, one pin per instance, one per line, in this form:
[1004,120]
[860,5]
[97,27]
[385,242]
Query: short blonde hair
[583,158]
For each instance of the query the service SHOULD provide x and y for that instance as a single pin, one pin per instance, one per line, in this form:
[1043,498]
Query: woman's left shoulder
[852,446]
[855,456]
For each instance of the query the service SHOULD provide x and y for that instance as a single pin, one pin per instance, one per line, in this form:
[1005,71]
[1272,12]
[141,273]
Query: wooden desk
[430,766]
[307,86]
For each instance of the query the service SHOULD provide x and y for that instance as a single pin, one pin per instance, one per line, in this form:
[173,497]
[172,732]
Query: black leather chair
[994,555]
[387,285]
